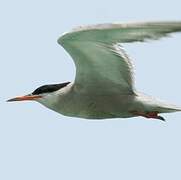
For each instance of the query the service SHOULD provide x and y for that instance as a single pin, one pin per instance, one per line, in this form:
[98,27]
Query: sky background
[37,143]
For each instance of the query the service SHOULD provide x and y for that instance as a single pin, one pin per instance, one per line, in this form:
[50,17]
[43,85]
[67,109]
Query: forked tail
[151,107]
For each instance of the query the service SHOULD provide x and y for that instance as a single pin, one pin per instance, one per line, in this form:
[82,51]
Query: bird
[104,86]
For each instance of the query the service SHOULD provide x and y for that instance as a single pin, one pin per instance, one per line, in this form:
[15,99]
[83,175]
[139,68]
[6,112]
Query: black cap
[49,88]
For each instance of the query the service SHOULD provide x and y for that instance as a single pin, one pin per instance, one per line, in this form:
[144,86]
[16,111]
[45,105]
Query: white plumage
[104,83]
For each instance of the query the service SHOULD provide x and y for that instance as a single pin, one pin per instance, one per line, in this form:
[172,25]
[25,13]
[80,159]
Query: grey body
[104,83]
[69,102]
[77,104]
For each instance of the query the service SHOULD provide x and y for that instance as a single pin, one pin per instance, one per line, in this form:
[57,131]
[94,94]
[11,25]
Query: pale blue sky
[37,143]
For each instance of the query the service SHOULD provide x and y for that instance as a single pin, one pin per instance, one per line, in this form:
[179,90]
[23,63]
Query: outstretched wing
[102,67]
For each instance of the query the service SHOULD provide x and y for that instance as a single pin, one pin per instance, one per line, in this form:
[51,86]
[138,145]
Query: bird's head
[40,93]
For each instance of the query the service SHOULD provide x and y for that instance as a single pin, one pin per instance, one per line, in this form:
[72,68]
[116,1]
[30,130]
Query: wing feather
[102,66]
[122,33]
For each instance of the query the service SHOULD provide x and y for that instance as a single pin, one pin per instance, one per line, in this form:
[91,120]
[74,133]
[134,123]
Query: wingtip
[161,118]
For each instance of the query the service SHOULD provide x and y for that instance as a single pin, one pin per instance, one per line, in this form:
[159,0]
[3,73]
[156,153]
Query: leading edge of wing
[122,32]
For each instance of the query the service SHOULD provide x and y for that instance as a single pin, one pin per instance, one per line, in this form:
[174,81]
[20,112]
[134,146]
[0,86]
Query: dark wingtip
[161,118]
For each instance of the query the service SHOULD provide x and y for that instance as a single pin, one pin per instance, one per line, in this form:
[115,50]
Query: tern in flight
[104,83]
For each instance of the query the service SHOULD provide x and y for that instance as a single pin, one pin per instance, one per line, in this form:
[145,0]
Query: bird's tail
[157,105]
[166,108]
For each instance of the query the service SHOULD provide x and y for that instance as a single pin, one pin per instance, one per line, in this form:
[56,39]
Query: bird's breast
[93,106]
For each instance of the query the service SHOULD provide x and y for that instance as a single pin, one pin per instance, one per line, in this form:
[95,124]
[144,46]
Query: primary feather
[122,33]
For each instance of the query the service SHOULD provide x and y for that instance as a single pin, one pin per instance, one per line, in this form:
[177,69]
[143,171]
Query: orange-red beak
[25,98]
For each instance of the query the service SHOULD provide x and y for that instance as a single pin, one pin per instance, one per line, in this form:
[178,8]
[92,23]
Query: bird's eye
[40,90]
